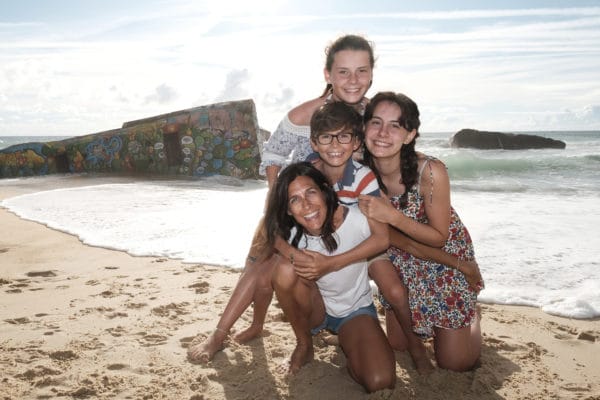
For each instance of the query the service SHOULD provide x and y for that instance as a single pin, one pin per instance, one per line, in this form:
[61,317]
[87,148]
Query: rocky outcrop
[498,140]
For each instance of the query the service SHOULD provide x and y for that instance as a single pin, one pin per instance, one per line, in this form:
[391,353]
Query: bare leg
[297,297]
[394,291]
[240,300]
[458,349]
[394,331]
[370,357]
[263,294]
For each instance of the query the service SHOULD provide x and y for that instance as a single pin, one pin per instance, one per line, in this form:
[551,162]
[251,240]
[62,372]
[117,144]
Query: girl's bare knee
[379,380]
[396,294]
[456,364]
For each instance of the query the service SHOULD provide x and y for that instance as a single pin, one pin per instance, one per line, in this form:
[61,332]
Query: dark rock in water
[498,140]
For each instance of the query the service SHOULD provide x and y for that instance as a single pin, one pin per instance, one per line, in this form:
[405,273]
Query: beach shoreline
[90,322]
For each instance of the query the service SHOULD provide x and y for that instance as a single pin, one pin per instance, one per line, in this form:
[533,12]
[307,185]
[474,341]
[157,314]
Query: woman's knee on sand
[371,360]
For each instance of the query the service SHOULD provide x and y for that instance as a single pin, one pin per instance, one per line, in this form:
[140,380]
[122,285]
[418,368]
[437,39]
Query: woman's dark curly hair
[278,222]
[409,119]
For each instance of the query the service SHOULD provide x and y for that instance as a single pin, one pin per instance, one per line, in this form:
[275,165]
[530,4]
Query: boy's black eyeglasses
[342,138]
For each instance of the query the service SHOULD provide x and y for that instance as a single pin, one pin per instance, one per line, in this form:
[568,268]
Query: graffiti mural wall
[215,139]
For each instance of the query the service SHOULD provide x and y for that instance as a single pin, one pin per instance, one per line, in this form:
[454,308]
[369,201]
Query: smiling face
[335,148]
[350,75]
[307,205]
[384,132]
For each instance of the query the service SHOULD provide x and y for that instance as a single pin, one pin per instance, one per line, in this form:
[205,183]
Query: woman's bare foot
[471,271]
[248,334]
[329,339]
[204,351]
[303,354]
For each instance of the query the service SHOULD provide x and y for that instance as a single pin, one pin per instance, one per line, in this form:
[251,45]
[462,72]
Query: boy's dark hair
[334,117]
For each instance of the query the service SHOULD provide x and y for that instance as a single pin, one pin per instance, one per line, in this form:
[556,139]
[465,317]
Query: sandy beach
[83,322]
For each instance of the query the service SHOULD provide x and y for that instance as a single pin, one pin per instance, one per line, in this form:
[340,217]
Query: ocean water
[534,216]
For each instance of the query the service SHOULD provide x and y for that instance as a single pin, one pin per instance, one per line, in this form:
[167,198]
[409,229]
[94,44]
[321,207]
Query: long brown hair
[409,119]
[347,42]
[278,222]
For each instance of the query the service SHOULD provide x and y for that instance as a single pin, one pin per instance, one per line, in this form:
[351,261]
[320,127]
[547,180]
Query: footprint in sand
[37,372]
[135,305]
[43,274]
[18,321]
[152,339]
[108,312]
[117,314]
[589,336]
[17,285]
[63,355]
[501,344]
[81,393]
[116,331]
[193,268]
[200,287]
[572,387]
[186,341]
[535,351]
[116,367]
[54,329]
[561,332]
[172,310]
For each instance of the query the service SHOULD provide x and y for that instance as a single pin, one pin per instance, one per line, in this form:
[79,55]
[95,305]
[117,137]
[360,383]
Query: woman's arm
[437,208]
[315,265]
[468,267]
[376,243]
[271,172]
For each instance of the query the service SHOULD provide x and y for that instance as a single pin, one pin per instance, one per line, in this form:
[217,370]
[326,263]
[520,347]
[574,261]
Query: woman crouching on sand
[303,208]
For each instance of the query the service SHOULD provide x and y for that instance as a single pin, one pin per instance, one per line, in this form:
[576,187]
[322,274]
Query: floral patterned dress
[439,296]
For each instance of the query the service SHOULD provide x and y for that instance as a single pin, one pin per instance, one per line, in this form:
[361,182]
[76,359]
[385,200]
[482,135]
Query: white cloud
[483,68]
[162,94]
[235,86]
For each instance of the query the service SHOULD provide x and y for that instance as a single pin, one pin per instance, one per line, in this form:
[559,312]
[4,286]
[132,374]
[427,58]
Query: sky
[71,68]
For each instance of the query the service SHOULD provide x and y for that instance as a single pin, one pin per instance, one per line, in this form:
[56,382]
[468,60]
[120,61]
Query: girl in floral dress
[443,305]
